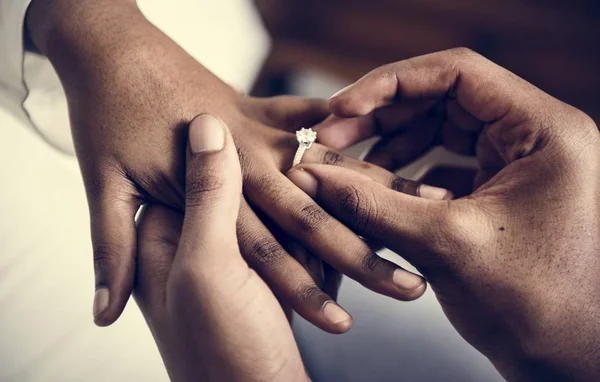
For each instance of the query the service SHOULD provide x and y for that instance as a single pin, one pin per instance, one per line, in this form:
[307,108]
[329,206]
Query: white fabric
[12,89]
[46,278]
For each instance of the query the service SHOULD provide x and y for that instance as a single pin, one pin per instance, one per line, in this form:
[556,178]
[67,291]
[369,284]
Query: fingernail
[435,193]
[341,91]
[305,181]
[406,280]
[335,314]
[101,298]
[206,134]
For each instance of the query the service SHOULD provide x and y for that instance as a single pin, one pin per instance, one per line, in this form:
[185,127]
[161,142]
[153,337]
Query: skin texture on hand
[213,317]
[131,93]
[515,264]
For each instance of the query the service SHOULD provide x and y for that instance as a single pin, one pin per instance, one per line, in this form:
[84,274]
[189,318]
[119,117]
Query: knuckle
[398,184]
[405,186]
[569,144]
[115,182]
[588,122]
[452,232]
[455,64]
[357,209]
[370,262]
[345,104]
[245,161]
[370,269]
[585,121]
[277,111]
[265,253]
[105,259]
[272,110]
[333,158]
[448,221]
[202,186]
[104,253]
[307,292]
[463,52]
[271,187]
[386,73]
[312,218]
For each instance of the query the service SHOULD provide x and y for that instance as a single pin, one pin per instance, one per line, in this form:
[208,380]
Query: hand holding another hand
[515,264]
[131,93]
[213,317]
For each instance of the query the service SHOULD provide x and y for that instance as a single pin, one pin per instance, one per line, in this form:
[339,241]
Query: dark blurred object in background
[555,44]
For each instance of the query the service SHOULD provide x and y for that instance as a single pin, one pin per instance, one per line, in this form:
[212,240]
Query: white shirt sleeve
[12,86]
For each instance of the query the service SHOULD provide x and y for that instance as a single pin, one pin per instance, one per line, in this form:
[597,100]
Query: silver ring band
[299,155]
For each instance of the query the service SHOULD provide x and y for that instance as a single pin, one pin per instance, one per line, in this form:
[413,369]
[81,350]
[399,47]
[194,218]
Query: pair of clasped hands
[514,265]
[231,234]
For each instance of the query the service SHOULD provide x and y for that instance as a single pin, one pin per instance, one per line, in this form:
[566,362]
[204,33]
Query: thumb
[401,222]
[213,192]
[114,245]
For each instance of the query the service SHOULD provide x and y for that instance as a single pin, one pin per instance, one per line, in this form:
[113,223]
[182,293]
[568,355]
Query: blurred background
[267,47]
[554,44]
[315,44]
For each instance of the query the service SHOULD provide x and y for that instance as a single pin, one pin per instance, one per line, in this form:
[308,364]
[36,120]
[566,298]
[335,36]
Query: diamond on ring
[305,137]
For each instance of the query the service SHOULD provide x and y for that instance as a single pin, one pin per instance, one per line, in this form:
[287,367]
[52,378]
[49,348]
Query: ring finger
[289,280]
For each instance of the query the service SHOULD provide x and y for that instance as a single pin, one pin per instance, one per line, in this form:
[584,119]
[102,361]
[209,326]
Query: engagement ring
[305,137]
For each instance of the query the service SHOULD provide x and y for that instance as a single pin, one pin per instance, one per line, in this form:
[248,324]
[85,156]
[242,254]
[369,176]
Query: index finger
[407,225]
[482,88]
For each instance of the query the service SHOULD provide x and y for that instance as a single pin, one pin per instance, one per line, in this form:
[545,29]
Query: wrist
[52,22]
[75,33]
